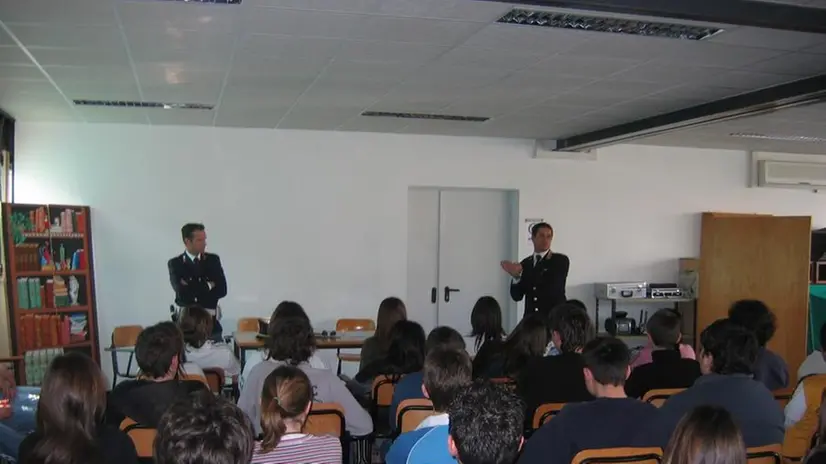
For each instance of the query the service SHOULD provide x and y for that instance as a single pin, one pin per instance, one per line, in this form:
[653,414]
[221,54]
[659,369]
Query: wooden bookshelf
[50,283]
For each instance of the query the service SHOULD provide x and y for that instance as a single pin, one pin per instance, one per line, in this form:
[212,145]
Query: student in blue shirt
[410,386]
[446,372]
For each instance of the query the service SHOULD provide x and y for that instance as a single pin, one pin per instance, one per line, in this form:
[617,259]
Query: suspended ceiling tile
[793,64]
[51,11]
[772,39]
[585,66]
[55,56]
[301,23]
[12,54]
[180,117]
[210,18]
[68,35]
[432,31]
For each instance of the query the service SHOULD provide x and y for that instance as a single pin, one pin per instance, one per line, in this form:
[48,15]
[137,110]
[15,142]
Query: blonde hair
[286,395]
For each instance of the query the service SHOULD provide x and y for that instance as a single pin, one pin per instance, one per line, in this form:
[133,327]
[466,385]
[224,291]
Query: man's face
[542,239]
[706,361]
[197,244]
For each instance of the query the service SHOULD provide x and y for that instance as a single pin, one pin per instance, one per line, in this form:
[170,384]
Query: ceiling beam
[735,12]
[801,92]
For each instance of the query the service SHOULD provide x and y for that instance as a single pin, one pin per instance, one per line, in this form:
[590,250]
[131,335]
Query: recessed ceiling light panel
[782,138]
[524,17]
[137,104]
[438,117]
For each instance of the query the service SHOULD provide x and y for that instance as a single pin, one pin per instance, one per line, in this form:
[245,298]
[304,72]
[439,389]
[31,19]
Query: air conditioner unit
[788,174]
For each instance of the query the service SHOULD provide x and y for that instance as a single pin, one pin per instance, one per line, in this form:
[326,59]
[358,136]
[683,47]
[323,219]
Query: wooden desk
[245,341]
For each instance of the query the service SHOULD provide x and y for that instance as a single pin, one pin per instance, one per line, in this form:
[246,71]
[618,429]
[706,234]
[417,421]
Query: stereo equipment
[621,324]
[621,290]
[665,290]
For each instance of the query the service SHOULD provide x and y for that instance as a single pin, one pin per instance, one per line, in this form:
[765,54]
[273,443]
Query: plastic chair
[328,419]
[658,397]
[248,324]
[123,336]
[381,397]
[544,413]
[199,378]
[143,437]
[217,381]
[783,396]
[351,325]
[616,455]
[411,413]
[769,454]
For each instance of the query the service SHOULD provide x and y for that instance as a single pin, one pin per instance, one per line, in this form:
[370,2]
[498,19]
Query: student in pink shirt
[644,355]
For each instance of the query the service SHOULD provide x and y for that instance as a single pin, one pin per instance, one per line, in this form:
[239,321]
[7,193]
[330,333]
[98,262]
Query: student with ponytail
[70,427]
[285,402]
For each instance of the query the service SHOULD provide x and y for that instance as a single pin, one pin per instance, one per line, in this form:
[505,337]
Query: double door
[456,240]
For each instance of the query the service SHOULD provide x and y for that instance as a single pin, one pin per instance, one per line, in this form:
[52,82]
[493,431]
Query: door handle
[448,291]
[433,294]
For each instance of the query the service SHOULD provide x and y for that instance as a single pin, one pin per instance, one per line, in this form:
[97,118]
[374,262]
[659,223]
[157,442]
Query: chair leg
[114,369]
[338,356]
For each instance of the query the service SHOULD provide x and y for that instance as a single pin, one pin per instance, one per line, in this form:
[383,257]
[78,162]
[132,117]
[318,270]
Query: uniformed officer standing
[539,278]
[197,276]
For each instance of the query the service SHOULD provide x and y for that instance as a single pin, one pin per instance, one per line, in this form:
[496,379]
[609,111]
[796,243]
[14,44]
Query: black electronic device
[621,324]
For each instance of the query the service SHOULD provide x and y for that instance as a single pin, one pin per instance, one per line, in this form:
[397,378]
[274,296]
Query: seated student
[487,331]
[706,435]
[551,349]
[70,426]
[204,429]
[803,414]
[196,325]
[612,420]
[815,363]
[727,356]
[283,310]
[668,369]
[405,354]
[391,310]
[559,379]
[486,424]
[446,372]
[285,404]
[410,386]
[644,356]
[769,367]
[158,352]
[527,342]
[292,342]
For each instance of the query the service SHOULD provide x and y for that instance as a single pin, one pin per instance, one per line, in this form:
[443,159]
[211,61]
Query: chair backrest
[352,325]
[325,419]
[382,392]
[199,378]
[616,455]
[764,454]
[215,378]
[783,396]
[411,413]
[659,397]
[143,437]
[248,324]
[125,335]
[544,413]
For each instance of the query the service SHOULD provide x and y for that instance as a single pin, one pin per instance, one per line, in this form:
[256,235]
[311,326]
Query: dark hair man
[755,316]
[485,425]
[204,429]
[612,420]
[667,369]
[727,354]
[197,277]
[159,352]
[539,278]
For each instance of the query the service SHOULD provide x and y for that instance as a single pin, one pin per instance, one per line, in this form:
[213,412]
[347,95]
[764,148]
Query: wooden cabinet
[763,257]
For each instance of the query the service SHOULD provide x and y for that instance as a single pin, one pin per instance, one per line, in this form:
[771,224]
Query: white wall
[320,217]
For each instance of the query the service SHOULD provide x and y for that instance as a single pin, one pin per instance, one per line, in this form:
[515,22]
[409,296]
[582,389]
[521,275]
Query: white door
[456,239]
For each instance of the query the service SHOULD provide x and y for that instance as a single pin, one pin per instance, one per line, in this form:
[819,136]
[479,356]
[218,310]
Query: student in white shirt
[196,325]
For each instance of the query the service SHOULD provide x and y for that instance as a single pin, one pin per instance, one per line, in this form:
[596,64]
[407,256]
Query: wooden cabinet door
[758,257]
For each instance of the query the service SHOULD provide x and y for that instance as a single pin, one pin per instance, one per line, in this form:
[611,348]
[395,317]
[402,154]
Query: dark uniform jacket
[190,280]
[543,285]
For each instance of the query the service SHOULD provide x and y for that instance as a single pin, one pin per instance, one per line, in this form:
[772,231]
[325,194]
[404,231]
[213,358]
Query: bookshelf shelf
[50,283]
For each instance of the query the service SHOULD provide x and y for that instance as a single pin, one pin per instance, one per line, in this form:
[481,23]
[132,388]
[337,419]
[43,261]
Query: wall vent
[438,117]
[539,18]
[782,138]
[787,174]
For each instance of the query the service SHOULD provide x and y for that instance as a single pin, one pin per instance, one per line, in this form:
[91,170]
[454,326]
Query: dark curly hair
[573,326]
[291,337]
[733,348]
[754,315]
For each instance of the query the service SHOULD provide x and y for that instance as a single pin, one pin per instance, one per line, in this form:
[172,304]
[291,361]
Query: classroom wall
[320,217]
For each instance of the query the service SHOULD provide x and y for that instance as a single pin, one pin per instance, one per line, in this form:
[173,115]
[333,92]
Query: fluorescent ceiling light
[539,18]
[782,138]
[137,104]
[212,2]
[439,117]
